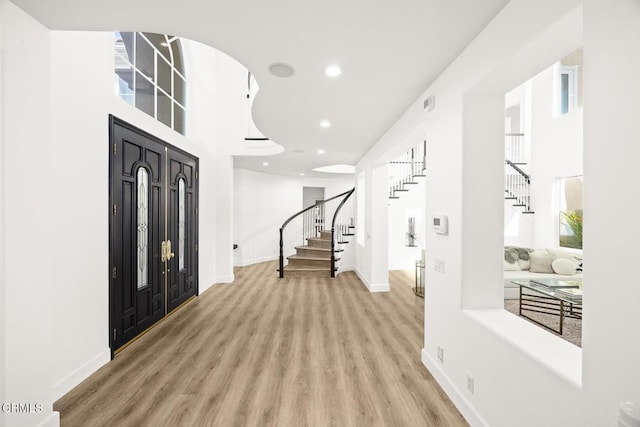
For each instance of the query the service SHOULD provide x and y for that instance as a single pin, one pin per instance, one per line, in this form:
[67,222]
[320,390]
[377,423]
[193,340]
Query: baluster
[522,188]
[413,165]
[424,156]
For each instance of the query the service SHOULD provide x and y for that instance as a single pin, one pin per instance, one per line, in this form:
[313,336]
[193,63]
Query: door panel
[154,197]
[137,207]
[182,229]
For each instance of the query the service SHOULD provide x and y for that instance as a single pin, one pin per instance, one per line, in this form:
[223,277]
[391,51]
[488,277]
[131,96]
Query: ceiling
[389,53]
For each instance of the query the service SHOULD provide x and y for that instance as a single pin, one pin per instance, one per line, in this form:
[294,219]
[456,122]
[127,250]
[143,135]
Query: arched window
[149,74]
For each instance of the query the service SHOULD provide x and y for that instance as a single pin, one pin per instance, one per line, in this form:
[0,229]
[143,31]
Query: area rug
[572,329]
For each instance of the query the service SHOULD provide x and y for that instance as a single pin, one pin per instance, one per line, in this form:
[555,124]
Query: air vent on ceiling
[429,103]
[281,69]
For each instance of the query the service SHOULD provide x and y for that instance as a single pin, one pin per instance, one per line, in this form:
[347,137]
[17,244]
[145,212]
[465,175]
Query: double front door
[153,230]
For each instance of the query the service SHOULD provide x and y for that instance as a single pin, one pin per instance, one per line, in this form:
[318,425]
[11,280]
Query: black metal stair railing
[342,226]
[410,165]
[311,221]
[517,186]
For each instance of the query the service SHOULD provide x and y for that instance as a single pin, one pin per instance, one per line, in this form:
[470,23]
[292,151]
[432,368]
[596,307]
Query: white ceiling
[389,53]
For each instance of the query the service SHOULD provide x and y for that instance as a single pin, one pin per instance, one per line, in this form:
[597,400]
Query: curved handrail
[281,264]
[517,169]
[292,217]
[333,231]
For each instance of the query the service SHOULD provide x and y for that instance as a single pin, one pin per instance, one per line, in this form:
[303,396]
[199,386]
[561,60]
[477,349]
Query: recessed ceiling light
[280,69]
[321,151]
[325,123]
[333,71]
[301,174]
[265,164]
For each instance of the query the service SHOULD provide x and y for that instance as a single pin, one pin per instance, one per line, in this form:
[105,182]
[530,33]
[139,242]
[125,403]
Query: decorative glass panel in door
[143,227]
[181,222]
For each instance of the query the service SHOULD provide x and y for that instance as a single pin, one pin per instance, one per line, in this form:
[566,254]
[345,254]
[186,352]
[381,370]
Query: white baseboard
[64,385]
[53,420]
[465,407]
[225,279]
[342,269]
[372,287]
[245,263]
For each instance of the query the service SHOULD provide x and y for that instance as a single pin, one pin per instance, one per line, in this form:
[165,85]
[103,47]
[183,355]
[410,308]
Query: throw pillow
[511,260]
[524,265]
[564,266]
[523,253]
[559,253]
[508,266]
[541,262]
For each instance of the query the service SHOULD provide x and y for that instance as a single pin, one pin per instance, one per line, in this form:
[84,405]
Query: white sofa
[511,290]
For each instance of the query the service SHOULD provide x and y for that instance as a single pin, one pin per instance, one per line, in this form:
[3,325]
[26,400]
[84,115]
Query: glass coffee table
[562,298]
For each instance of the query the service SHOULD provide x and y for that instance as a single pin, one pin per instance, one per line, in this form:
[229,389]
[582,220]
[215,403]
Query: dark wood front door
[181,230]
[153,230]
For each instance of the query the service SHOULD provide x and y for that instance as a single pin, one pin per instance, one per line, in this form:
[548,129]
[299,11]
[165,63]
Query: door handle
[163,253]
[169,253]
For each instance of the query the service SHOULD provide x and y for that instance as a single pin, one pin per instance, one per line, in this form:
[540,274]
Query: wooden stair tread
[309,258]
[308,269]
[313,248]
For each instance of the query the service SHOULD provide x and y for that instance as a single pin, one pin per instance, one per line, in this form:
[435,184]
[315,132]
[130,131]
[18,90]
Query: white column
[483,201]
[27,230]
[374,262]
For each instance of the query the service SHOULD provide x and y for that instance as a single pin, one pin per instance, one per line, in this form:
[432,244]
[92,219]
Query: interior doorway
[153,231]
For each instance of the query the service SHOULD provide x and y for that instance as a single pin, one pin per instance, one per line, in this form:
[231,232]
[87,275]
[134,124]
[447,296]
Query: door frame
[113,122]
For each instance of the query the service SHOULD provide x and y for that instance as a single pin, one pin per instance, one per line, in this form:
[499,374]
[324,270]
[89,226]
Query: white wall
[262,202]
[230,133]
[57,94]
[554,147]
[556,151]
[27,234]
[523,374]
[410,204]
[2,226]
[518,227]
[80,95]
[611,151]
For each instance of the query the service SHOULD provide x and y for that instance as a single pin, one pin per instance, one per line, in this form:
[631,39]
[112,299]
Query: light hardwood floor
[268,351]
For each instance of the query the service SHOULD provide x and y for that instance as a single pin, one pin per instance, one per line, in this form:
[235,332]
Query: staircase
[319,248]
[405,169]
[517,182]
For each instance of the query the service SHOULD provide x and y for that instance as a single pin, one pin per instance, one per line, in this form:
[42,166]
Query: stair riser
[305,274]
[325,235]
[293,262]
[313,253]
[326,244]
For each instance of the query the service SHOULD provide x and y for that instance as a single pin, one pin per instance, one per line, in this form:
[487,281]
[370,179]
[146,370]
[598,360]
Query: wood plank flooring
[265,351]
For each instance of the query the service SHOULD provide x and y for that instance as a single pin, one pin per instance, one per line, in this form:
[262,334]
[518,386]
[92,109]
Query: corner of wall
[64,385]
[465,407]
[372,287]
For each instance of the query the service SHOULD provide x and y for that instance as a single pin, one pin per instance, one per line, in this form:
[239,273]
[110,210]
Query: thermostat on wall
[440,225]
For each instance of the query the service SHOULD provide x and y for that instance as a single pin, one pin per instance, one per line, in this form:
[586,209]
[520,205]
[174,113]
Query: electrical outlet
[441,354]
[470,383]
[438,265]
